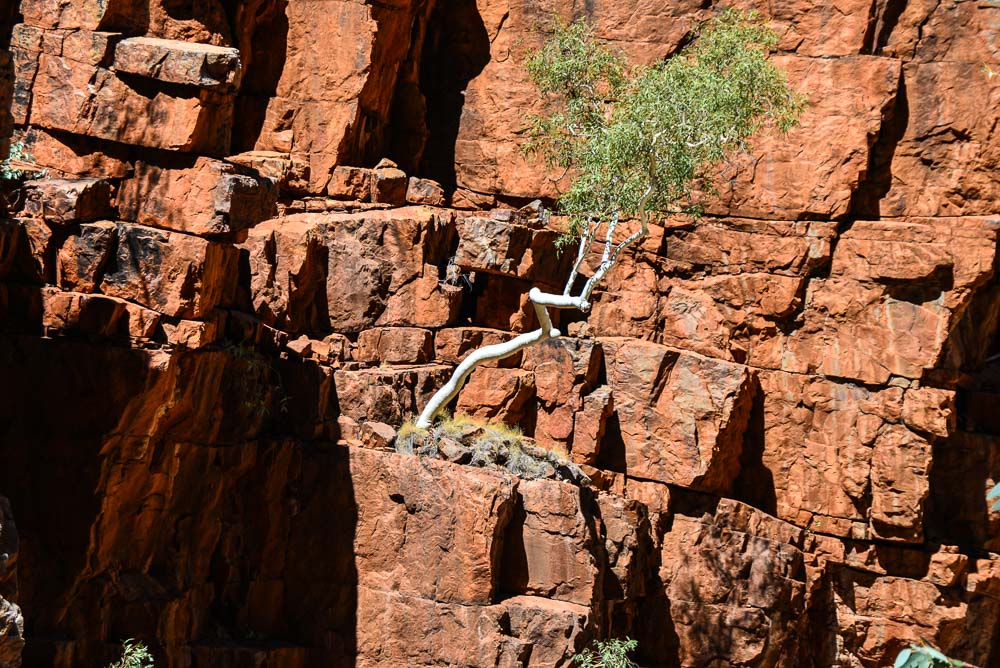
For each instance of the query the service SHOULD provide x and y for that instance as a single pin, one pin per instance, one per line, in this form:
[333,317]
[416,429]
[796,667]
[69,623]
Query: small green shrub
[924,656]
[610,654]
[255,380]
[134,655]
[18,164]
[636,139]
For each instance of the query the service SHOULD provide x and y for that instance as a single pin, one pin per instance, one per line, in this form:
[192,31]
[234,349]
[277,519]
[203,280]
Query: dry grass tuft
[465,440]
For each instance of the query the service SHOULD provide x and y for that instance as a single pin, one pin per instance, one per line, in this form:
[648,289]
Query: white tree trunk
[542,301]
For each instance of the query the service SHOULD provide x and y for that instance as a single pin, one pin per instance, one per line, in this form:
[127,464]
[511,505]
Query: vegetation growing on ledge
[925,656]
[637,140]
[498,447]
[647,138]
[610,654]
[134,655]
[19,164]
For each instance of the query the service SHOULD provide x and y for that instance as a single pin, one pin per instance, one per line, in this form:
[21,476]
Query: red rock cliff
[216,290]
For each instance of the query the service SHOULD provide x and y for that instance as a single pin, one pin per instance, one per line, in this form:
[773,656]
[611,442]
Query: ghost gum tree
[635,142]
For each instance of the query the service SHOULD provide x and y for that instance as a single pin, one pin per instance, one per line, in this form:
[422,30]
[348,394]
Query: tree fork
[542,302]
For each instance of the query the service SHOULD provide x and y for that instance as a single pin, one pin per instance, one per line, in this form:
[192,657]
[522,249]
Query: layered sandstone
[219,301]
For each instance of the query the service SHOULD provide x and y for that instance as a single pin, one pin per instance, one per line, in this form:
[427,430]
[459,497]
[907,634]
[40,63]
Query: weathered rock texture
[219,294]
[11,620]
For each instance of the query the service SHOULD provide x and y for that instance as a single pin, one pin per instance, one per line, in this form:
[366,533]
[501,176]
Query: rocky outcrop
[219,294]
[11,619]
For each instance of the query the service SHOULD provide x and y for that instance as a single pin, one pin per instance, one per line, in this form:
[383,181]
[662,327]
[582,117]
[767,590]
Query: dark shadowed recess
[9,16]
[754,485]
[969,458]
[883,19]
[456,49]
[253,537]
[406,134]
[513,566]
[58,400]
[877,180]
[260,32]
[135,18]
[968,461]
[126,17]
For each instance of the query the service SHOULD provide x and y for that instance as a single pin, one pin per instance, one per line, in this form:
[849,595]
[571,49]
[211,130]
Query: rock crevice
[269,229]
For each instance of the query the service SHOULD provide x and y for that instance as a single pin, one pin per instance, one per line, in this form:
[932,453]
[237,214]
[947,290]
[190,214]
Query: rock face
[11,620]
[259,235]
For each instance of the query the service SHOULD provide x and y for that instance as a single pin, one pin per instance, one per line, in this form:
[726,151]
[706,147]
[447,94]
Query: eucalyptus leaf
[651,138]
[994,496]
[923,656]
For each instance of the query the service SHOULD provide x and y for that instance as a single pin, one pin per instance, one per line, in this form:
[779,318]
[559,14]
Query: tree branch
[581,253]
[543,300]
[499,351]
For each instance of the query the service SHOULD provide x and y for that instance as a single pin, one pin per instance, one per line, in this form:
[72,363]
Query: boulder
[425,191]
[288,274]
[396,345]
[554,548]
[89,47]
[389,186]
[377,435]
[199,124]
[207,198]
[902,286]
[499,247]
[385,394]
[855,454]
[68,201]
[204,22]
[352,271]
[497,394]
[735,583]
[942,163]
[175,274]
[590,426]
[75,314]
[335,90]
[74,156]
[290,172]
[83,258]
[416,507]
[183,63]
[351,183]
[680,417]
[453,344]
[565,370]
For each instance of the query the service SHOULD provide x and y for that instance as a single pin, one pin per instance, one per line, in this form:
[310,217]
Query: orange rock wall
[217,290]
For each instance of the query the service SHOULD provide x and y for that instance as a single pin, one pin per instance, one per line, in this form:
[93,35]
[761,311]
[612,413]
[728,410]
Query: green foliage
[18,164]
[993,496]
[645,138]
[135,655]
[924,656]
[255,380]
[610,654]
